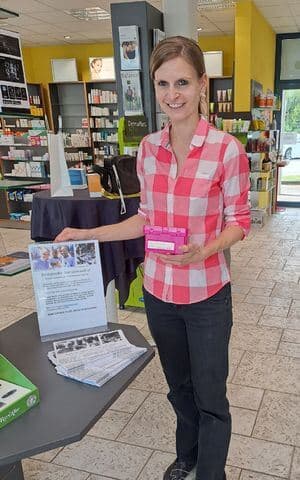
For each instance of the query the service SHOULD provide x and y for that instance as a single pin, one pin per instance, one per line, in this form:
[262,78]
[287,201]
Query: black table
[68,409]
[119,259]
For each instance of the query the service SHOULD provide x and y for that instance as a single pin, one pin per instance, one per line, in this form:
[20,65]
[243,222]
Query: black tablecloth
[119,259]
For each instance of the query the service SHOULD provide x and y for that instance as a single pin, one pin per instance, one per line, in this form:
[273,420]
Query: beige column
[180,18]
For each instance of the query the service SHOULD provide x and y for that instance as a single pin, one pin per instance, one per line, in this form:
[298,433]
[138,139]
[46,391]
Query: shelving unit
[220,95]
[262,149]
[68,100]
[103,118]
[23,160]
[36,99]
[89,113]
[16,197]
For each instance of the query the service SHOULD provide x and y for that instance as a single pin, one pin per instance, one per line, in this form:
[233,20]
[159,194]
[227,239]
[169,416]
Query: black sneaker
[178,470]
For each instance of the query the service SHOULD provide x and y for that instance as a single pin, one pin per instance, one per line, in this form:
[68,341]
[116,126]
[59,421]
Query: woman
[196,177]
[95,68]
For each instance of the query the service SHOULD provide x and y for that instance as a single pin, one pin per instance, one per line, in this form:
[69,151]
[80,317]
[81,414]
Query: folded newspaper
[94,359]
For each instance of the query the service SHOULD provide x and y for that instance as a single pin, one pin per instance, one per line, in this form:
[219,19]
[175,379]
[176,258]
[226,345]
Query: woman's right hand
[71,234]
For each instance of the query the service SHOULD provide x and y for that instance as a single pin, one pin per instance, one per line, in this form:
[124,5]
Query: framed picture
[213,63]
[102,68]
[64,70]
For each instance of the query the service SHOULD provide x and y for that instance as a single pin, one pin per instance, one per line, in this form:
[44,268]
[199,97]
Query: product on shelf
[78,139]
[231,125]
[97,95]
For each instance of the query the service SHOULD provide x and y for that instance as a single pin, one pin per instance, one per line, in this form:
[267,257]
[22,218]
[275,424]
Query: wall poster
[129,48]
[132,93]
[102,68]
[13,88]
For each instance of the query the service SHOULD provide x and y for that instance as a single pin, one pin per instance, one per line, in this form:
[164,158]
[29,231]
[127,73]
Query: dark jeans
[192,342]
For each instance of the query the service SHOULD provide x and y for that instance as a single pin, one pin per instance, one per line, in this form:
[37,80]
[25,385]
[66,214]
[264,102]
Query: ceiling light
[89,13]
[67,37]
[199,29]
[4,14]
[215,4]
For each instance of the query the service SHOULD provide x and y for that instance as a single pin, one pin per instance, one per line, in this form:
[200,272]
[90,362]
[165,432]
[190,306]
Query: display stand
[146,18]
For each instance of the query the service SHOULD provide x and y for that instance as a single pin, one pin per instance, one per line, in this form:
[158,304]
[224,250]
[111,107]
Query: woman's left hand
[191,253]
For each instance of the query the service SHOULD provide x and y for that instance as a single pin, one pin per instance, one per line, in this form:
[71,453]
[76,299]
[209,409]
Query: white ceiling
[44,22]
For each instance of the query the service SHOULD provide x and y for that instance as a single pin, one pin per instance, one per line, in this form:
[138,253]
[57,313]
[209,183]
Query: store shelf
[15,177]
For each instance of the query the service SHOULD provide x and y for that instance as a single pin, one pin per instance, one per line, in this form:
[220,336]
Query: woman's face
[97,65]
[178,88]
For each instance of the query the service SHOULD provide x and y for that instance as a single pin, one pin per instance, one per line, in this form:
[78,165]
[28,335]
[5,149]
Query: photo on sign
[9,45]
[85,254]
[11,70]
[102,68]
[52,257]
[13,88]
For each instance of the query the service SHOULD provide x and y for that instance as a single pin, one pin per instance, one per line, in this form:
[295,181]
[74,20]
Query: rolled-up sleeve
[235,186]
[142,210]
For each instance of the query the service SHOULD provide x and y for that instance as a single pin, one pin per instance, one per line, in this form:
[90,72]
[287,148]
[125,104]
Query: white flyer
[132,93]
[129,47]
[68,287]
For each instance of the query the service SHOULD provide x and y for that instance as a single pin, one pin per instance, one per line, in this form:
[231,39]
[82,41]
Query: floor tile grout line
[133,415]
[263,473]
[268,389]
[121,442]
[292,462]
[60,465]
[258,410]
[142,469]
[282,333]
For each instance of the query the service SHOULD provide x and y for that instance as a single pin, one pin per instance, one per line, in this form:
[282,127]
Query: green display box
[27,400]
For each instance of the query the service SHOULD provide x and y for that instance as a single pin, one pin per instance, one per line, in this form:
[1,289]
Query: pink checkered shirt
[210,193]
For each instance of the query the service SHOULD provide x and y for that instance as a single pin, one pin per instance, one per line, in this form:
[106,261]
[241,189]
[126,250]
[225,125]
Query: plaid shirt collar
[162,138]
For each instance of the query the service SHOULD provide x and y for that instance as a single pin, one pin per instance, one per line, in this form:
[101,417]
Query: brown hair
[178,46]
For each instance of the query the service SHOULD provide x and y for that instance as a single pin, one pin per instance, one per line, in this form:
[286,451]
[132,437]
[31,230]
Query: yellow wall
[224,43]
[263,46]
[37,60]
[242,71]
[255,44]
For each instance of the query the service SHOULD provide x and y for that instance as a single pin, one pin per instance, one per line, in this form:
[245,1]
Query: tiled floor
[134,440]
